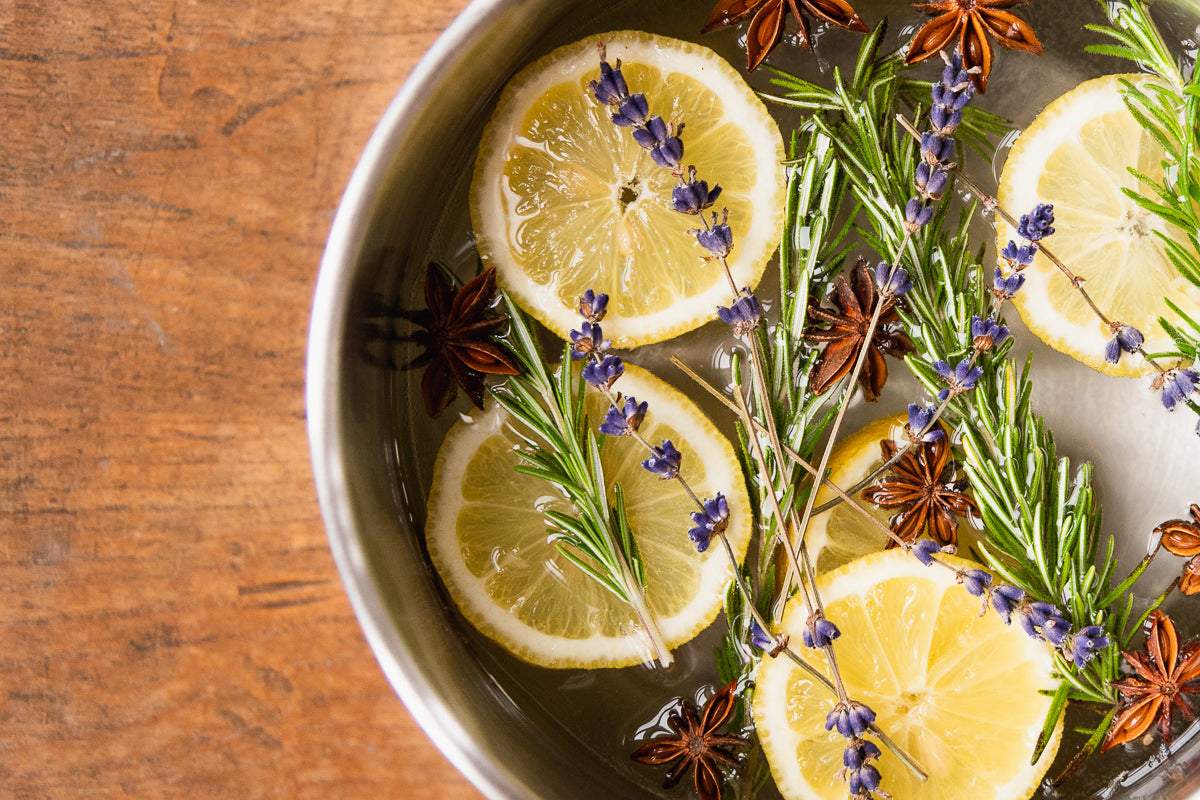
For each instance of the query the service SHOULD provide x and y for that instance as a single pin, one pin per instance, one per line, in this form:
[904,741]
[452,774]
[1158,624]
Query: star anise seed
[922,486]
[1166,674]
[972,22]
[766,24]
[457,339]
[1180,536]
[846,333]
[696,743]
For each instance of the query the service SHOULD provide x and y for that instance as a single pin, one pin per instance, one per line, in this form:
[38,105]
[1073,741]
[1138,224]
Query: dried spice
[767,18]
[1166,673]
[1189,581]
[971,22]
[696,742]
[922,486]
[457,339]
[846,334]
[1181,537]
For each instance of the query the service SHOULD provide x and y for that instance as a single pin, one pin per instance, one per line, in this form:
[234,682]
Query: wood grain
[172,623]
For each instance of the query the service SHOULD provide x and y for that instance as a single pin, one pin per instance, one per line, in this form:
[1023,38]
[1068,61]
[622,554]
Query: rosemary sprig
[1040,514]
[564,450]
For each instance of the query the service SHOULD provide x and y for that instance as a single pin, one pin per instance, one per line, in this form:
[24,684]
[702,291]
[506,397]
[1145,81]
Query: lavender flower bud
[1035,225]
[935,148]
[652,134]
[665,462]
[1006,288]
[944,120]
[862,780]
[1177,385]
[961,378]
[610,89]
[930,181]
[744,315]
[603,374]
[669,155]
[769,645]
[920,418]
[858,753]
[892,281]
[1042,612]
[975,581]
[1019,257]
[916,215]
[1083,646]
[717,239]
[709,523]
[851,719]
[1126,339]
[592,306]
[693,196]
[924,549]
[1005,600]
[819,632]
[987,333]
[622,422]
[1055,631]
[954,75]
[590,340]
[633,112]
[950,97]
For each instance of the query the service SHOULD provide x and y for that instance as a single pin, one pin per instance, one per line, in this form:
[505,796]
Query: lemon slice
[1076,155]
[841,534]
[488,539]
[563,200]
[958,691]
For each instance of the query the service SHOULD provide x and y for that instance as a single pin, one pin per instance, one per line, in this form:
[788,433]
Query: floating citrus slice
[1076,155]
[960,692]
[563,200]
[488,538]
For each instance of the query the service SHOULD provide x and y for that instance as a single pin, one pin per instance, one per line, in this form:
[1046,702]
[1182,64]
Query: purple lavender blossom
[1019,256]
[1083,645]
[961,378]
[603,374]
[664,144]
[1055,631]
[859,752]
[975,581]
[717,239]
[1006,288]
[610,89]
[763,641]
[1006,599]
[624,421]
[1177,384]
[892,281]
[692,196]
[987,333]
[936,148]
[592,306]
[819,632]
[710,522]
[931,181]
[851,719]
[924,550]
[665,462]
[1126,339]
[1035,225]
[862,780]
[588,341]
[633,112]
[743,315]
[916,215]
[921,418]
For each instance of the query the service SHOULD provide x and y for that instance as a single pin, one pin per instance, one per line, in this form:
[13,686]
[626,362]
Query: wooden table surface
[172,622]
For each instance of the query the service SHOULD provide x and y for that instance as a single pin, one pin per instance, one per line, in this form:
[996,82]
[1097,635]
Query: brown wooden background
[172,623]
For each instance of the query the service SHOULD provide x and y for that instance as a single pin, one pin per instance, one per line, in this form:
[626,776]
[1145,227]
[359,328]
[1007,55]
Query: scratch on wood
[247,113]
[278,586]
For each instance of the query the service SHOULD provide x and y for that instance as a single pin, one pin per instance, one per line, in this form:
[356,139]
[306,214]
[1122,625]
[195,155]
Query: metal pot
[393,218]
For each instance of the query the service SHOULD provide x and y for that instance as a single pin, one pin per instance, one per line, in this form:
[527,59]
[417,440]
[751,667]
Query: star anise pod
[972,22]
[847,330]
[766,24]
[456,337]
[1181,537]
[922,485]
[696,742]
[1166,674]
